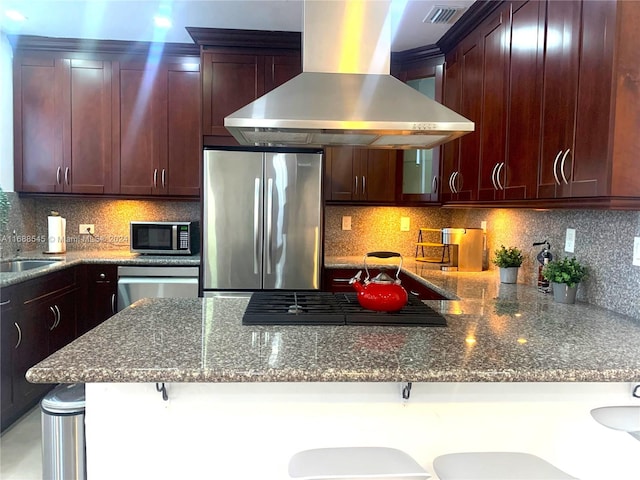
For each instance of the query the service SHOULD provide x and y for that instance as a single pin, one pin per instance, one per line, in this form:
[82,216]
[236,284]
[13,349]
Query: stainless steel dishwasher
[135,283]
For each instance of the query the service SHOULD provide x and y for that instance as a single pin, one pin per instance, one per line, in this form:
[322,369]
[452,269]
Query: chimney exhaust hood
[345,94]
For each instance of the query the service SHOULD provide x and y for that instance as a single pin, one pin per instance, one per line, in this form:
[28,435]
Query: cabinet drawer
[51,284]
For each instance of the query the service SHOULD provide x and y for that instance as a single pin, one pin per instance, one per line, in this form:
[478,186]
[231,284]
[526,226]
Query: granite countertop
[495,333]
[64,260]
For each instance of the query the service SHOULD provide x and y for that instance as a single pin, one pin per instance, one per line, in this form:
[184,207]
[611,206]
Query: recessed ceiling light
[15,15]
[162,22]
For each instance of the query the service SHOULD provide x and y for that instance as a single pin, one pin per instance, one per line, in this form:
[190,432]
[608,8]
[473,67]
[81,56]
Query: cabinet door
[182,130]
[8,342]
[594,166]
[495,63]
[31,348]
[279,69]
[377,175]
[100,297]
[229,82]
[135,118]
[450,150]
[466,182]
[87,127]
[63,330]
[559,97]
[525,82]
[341,172]
[37,126]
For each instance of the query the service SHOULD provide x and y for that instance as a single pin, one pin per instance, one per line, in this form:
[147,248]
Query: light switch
[346,223]
[483,226]
[570,240]
[636,251]
[405,224]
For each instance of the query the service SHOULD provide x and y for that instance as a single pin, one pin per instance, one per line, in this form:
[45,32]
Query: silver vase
[563,293]
[509,274]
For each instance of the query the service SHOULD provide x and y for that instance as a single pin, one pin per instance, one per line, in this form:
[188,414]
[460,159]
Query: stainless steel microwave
[165,238]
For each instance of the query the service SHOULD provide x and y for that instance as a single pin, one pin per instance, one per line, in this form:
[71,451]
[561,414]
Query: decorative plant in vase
[564,275]
[508,260]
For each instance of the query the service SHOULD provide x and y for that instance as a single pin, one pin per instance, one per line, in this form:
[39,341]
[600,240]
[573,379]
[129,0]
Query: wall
[6,114]
[28,218]
[604,241]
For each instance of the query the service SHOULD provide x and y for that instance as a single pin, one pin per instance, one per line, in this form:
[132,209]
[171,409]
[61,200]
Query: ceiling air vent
[440,15]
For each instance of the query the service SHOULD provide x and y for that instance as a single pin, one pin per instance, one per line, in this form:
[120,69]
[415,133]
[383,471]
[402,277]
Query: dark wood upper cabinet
[557,91]
[358,175]
[108,121]
[157,116]
[62,125]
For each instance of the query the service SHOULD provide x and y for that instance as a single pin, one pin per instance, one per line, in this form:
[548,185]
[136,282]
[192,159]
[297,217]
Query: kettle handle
[382,254]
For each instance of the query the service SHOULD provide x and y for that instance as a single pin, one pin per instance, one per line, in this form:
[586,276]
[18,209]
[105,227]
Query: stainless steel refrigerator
[262,221]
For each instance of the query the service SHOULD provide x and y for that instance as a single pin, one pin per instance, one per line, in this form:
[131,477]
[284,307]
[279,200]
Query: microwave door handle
[256,225]
[269,223]
[174,237]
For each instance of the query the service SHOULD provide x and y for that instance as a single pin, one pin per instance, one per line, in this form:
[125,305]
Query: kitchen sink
[22,265]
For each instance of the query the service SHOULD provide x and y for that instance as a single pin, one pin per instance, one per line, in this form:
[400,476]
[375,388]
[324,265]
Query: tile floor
[20,451]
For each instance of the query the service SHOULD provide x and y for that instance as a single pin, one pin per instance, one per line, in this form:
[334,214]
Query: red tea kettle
[382,293]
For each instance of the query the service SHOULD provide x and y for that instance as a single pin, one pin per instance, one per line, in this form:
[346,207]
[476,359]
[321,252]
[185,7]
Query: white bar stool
[355,463]
[496,466]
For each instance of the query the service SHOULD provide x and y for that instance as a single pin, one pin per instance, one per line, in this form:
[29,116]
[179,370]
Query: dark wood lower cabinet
[99,301]
[38,318]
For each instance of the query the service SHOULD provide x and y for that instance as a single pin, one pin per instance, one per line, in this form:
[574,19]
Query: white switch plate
[346,223]
[84,226]
[570,240]
[636,251]
[405,224]
[483,226]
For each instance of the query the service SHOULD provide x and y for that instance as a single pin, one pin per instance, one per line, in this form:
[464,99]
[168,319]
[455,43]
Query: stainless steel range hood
[345,95]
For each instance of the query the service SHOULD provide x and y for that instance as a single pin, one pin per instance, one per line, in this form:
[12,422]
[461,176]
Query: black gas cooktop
[325,308]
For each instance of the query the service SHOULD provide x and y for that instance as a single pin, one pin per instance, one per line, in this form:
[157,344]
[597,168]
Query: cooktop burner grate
[325,308]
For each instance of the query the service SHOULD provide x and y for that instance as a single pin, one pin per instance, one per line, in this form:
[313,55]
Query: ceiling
[133,19]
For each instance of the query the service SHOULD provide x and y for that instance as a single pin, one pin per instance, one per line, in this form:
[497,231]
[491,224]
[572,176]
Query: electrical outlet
[87,228]
[346,223]
[636,251]
[405,224]
[570,240]
[483,226]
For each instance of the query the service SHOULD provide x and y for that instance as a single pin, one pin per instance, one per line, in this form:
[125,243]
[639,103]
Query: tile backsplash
[28,218]
[604,239]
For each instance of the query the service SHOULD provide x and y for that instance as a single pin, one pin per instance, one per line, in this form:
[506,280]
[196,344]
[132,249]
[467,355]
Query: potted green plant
[509,261]
[564,275]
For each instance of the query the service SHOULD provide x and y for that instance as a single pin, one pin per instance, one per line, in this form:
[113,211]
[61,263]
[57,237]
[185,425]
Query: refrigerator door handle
[269,223]
[256,225]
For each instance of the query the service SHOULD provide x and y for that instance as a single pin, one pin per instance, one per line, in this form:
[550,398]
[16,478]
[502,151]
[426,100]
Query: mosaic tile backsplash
[604,239]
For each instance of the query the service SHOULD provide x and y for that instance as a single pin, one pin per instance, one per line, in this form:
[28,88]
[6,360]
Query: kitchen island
[511,371]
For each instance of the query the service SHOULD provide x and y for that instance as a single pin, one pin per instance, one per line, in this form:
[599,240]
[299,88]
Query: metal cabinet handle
[434,185]
[102,276]
[55,319]
[416,294]
[19,334]
[256,224]
[155,178]
[113,303]
[364,185]
[164,184]
[58,172]
[58,315]
[564,157]
[493,176]
[498,176]
[451,177]
[356,185]
[6,302]
[269,223]
[555,164]
[455,182]
[66,175]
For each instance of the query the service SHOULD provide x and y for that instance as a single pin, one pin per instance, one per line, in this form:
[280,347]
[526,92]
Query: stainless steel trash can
[63,444]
